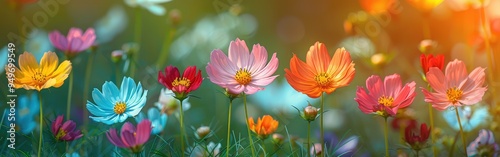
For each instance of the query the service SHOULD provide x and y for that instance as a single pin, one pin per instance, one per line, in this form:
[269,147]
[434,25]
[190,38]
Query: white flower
[110,25]
[152,5]
[168,104]
[211,150]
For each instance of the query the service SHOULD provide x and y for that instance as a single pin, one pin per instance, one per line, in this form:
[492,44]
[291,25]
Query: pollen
[181,82]
[243,76]
[60,134]
[39,77]
[323,80]
[454,94]
[386,101]
[120,107]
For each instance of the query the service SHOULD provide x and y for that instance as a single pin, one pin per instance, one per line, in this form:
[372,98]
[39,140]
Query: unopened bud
[278,138]
[230,95]
[427,46]
[316,149]
[310,113]
[116,56]
[202,132]
[175,17]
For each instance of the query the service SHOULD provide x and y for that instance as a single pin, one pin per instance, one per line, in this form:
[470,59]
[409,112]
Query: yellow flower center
[120,107]
[386,101]
[454,94]
[60,134]
[39,77]
[323,79]
[181,82]
[243,76]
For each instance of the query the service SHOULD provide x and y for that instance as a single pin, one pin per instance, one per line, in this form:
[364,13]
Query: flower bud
[202,132]
[278,138]
[316,149]
[310,113]
[116,56]
[379,59]
[175,17]
[130,48]
[230,95]
[427,46]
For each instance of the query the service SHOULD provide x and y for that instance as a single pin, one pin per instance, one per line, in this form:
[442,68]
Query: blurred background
[383,37]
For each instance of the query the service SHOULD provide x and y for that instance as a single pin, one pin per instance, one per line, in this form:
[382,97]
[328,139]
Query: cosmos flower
[340,147]
[75,42]
[181,85]
[427,61]
[158,120]
[130,136]
[416,138]
[455,87]
[264,127]
[65,131]
[242,71]
[114,105]
[28,106]
[483,145]
[211,150]
[152,5]
[470,118]
[385,98]
[320,73]
[316,150]
[49,73]
[168,104]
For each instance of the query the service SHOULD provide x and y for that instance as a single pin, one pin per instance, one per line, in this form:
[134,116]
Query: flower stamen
[181,82]
[454,94]
[243,76]
[323,80]
[120,107]
[386,101]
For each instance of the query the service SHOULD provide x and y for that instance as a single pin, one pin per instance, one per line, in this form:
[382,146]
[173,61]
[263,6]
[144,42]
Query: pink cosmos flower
[65,131]
[131,137]
[242,71]
[74,42]
[454,87]
[385,98]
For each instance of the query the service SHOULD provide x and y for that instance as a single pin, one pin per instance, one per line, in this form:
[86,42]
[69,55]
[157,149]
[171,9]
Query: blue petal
[110,91]
[101,100]
[127,88]
[100,112]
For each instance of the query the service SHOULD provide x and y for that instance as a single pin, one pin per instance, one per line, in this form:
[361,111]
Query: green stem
[87,85]
[263,147]
[117,73]
[417,152]
[182,127]
[41,125]
[452,148]
[70,91]
[228,127]
[433,138]
[461,130]
[308,137]
[386,139]
[321,125]
[248,126]
[137,36]
[165,49]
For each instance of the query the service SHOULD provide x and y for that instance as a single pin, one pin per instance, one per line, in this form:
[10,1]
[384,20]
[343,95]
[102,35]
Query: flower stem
[461,130]
[70,91]
[137,36]
[386,137]
[41,125]
[228,127]
[87,85]
[165,48]
[248,126]
[182,128]
[308,137]
[117,73]
[433,138]
[321,125]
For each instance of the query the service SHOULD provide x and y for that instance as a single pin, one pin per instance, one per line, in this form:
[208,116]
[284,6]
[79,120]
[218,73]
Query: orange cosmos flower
[320,73]
[265,126]
[31,75]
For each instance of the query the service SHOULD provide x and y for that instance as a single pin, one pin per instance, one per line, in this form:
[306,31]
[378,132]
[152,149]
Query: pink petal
[57,124]
[406,95]
[438,100]
[249,89]
[75,45]
[392,84]
[58,40]
[375,86]
[478,76]
[456,72]
[89,37]
[263,81]
[143,131]
[437,80]
[474,96]
[114,139]
[74,33]
[236,89]
[365,101]
[222,63]
[259,54]
[269,70]
[238,53]
[128,139]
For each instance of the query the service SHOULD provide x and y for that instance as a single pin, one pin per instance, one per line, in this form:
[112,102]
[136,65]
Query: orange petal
[318,57]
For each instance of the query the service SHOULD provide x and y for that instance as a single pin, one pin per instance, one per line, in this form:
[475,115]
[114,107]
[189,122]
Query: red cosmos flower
[417,142]
[180,85]
[428,61]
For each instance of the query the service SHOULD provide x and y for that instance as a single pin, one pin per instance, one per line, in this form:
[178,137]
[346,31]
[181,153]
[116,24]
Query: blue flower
[340,147]
[158,119]
[267,98]
[115,106]
[470,118]
[38,43]
[28,107]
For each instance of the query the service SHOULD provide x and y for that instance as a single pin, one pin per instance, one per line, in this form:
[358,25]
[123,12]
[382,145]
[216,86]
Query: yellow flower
[48,73]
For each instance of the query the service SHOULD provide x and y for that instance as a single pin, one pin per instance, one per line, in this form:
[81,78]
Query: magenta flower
[65,131]
[131,137]
[75,42]
[454,87]
[242,71]
[483,145]
[385,98]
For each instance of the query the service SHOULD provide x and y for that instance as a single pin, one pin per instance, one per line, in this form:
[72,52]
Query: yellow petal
[27,62]
[49,62]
